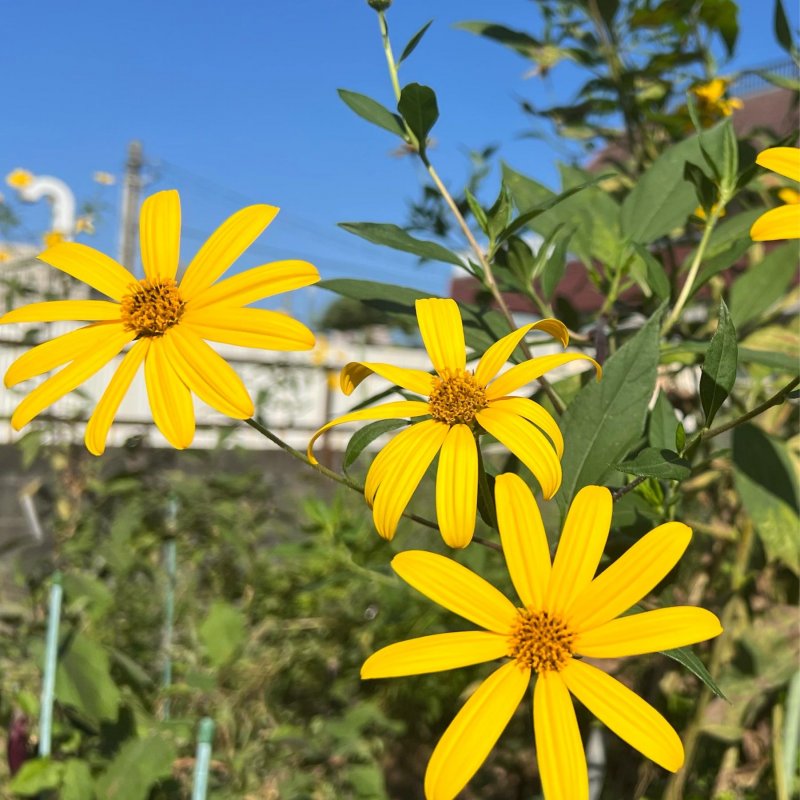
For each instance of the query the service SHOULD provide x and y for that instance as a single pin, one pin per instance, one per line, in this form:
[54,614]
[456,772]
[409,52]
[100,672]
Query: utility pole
[131,191]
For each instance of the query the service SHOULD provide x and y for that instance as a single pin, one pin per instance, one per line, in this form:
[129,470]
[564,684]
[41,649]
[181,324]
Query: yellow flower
[166,320]
[52,238]
[566,613]
[460,405]
[4,256]
[711,100]
[782,222]
[104,178]
[84,224]
[19,178]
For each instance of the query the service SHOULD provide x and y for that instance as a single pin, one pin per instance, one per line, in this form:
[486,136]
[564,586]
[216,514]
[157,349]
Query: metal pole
[171,568]
[50,659]
[202,760]
[129,220]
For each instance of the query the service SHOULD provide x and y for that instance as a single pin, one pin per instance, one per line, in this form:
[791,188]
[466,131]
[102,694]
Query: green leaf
[758,289]
[477,211]
[657,279]
[363,437]
[499,215]
[654,462]
[704,188]
[783,32]
[417,106]
[663,423]
[138,766]
[37,775]
[720,262]
[372,111]
[84,682]
[719,367]
[554,267]
[791,731]
[390,235]
[414,41]
[607,418]
[78,783]
[688,659]
[223,632]
[521,42]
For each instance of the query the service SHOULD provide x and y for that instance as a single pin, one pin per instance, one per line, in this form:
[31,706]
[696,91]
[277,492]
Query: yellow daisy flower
[711,99]
[566,614]
[19,178]
[460,405]
[782,222]
[166,320]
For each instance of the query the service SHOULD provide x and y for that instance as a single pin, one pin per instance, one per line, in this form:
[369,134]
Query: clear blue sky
[237,103]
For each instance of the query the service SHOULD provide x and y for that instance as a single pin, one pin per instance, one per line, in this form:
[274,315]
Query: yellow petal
[415,380]
[625,713]
[249,327]
[107,407]
[64,310]
[391,457]
[224,246]
[70,377]
[456,588]
[435,653]
[523,537]
[788,195]
[635,573]
[527,443]
[559,750]
[160,234]
[90,266]
[533,412]
[783,160]
[399,484]
[401,409]
[255,284]
[474,731]
[524,373]
[497,355]
[457,486]
[206,373]
[782,222]
[170,398]
[442,334]
[58,351]
[649,632]
[580,547]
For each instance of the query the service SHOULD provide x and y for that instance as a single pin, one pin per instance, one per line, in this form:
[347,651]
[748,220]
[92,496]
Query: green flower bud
[380,5]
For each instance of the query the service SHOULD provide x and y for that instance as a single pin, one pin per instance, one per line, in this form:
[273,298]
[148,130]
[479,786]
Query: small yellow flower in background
[460,404]
[19,178]
[104,178]
[52,238]
[711,99]
[4,255]
[789,196]
[782,222]
[166,321]
[84,224]
[700,213]
[566,613]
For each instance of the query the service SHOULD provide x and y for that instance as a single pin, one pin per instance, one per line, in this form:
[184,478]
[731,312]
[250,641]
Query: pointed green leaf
[657,462]
[390,235]
[84,682]
[365,436]
[138,766]
[418,107]
[372,111]
[36,776]
[414,41]
[663,423]
[657,279]
[719,367]
[687,658]
[223,632]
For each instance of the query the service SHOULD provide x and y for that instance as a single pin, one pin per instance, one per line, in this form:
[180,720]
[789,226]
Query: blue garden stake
[50,659]
[170,565]
[202,759]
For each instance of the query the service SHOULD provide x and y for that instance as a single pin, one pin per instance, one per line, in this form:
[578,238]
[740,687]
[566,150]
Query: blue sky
[237,103]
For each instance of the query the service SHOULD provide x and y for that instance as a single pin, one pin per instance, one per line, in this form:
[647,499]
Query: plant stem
[387,49]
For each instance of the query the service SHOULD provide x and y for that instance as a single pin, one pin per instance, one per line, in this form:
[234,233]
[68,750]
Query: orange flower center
[540,641]
[152,307]
[456,398]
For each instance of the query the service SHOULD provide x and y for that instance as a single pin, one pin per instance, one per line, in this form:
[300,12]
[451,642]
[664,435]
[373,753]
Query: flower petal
[64,310]
[224,246]
[69,378]
[635,573]
[57,352]
[580,547]
[782,222]
[456,588]
[457,486]
[435,653]
[625,713]
[249,327]
[256,284]
[170,398]
[160,234]
[559,749]
[415,380]
[783,160]
[474,732]
[527,443]
[398,410]
[207,374]
[524,373]
[649,632]
[391,457]
[497,355]
[533,412]
[397,486]
[90,266]
[106,409]
[443,334]
[523,538]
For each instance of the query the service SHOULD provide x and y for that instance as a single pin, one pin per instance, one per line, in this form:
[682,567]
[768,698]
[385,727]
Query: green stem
[387,49]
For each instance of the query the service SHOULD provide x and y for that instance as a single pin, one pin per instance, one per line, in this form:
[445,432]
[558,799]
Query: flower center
[540,641]
[152,307]
[458,397]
